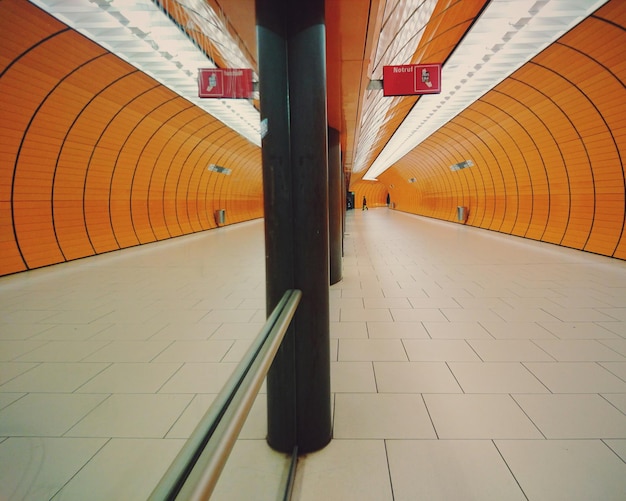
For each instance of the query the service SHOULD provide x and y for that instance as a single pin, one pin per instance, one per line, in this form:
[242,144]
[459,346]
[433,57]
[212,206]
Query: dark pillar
[335,202]
[292,84]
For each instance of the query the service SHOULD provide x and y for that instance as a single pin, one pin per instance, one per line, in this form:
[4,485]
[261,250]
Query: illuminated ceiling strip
[413,17]
[507,35]
[139,32]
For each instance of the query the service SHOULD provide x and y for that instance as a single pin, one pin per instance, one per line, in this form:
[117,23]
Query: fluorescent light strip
[140,33]
[508,34]
[400,50]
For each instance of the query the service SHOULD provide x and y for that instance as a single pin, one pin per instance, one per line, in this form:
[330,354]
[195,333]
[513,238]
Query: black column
[335,203]
[292,84]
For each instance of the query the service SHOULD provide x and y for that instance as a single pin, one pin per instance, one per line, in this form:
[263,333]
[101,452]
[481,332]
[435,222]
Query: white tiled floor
[465,365]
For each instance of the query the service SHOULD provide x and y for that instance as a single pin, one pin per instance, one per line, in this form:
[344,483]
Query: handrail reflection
[196,469]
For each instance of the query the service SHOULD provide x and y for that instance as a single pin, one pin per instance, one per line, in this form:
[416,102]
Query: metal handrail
[196,469]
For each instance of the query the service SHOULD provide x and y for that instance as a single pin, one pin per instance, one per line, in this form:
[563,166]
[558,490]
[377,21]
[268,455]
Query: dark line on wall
[119,153]
[470,132]
[111,122]
[60,152]
[609,130]
[19,152]
[31,48]
[143,149]
[582,142]
[9,66]
[521,153]
[558,147]
[495,139]
[197,167]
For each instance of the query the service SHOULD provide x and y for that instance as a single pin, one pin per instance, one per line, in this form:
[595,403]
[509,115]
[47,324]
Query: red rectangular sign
[412,79]
[234,83]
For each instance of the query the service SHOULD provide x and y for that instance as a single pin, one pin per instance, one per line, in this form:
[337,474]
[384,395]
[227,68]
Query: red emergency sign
[234,83]
[412,79]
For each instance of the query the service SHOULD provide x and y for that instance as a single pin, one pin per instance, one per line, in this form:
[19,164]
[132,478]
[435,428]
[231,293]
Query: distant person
[388,200]
[364,203]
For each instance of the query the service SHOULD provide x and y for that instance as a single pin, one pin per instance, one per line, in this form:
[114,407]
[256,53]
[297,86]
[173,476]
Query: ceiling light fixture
[507,35]
[139,32]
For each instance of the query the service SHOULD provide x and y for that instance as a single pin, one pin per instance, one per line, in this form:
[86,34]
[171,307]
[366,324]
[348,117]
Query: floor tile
[383,416]
[131,378]
[54,377]
[509,350]
[390,330]
[10,370]
[359,292]
[439,350]
[237,330]
[478,417]
[199,331]
[417,315]
[62,351]
[128,332]
[128,351]
[617,368]
[348,330]
[46,414]
[212,350]
[434,302]
[578,330]
[345,469]
[136,415]
[237,351]
[523,314]
[618,446]
[618,345]
[363,315]
[576,377]
[387,302]
[495,377]
[230,316]
[456,330]
[618,400]
[114,470]
[354,350]
[516,330]
[578,350]
[11,350]
[577,314]
[352,377]
[565,469]
[449,469]
[573,416]
[199,378]
[67,332]
[458,315]
[36,468]
[253,471]
[348,302]
[20,332]
[8,398]
[415,377]
[190,417]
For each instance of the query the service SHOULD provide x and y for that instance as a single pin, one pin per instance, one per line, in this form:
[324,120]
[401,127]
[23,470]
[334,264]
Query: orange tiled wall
[96,156]
[548,144]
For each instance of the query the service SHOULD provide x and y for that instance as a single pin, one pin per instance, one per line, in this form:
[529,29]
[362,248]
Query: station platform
[466,364]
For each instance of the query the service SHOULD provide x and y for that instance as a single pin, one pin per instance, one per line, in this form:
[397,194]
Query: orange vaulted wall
[548,146]
[96,156]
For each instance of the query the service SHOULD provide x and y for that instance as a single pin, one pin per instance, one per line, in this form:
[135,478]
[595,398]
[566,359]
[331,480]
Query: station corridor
[466,364]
